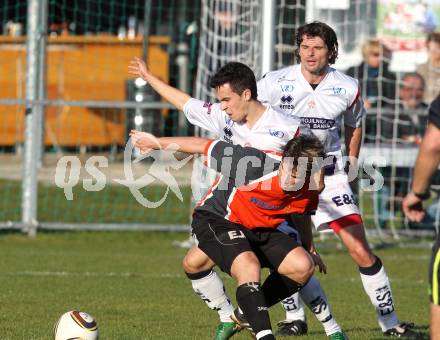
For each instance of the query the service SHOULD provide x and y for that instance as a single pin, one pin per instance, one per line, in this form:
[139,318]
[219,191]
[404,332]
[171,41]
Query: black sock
[277,287]
[251,300]
[199,275]
[374,269]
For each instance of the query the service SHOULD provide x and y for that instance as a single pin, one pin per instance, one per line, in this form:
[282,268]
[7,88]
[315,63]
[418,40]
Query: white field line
[92,274]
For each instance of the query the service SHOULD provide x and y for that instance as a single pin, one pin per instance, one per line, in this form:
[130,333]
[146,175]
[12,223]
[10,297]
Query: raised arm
[172,95]
[146,142]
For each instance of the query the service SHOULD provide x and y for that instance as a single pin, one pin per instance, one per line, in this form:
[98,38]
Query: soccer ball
[76,325]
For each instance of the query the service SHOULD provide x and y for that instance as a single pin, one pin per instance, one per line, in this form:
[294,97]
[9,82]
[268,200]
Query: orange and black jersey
[248,190]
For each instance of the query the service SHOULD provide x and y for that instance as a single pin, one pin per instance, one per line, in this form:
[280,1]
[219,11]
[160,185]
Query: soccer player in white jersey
[323,98]
[241,119]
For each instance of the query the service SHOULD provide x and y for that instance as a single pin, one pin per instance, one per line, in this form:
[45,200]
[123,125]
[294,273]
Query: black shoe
[291,328]
[239,318]
[404,330]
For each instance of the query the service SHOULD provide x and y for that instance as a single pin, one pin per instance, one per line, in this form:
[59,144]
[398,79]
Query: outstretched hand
[144,141]
[138,68]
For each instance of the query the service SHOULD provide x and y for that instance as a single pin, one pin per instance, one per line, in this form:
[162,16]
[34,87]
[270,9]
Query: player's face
[314,55]
[292,178]
[287,176]
[232,103]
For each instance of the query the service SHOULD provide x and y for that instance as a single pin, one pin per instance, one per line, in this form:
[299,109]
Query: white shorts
[336,201]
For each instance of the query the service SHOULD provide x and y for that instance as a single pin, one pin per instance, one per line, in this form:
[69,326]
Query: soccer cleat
[404,331]
[338,336]
[240,320]
[291,328]
[225,330]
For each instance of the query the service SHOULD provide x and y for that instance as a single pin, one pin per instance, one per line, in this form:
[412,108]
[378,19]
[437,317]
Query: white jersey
[270,133]
[322,110]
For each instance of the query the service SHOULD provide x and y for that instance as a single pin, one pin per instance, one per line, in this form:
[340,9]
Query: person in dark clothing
[377,84]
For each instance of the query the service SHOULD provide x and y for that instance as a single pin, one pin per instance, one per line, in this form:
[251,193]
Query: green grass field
[132,283]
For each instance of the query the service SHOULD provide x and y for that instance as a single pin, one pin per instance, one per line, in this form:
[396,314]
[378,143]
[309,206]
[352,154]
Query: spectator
[376,81]
[377,84]
[403,125]
[430,70]
[406,121]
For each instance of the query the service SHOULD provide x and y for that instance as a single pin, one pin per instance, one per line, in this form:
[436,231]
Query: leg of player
[295,322]
[293,271]
[375,280]
[434,324]
[434,289]
[312,293]
[209,287]
[245,269]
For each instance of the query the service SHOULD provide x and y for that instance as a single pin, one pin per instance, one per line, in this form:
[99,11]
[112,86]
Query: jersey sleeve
[206,115]
[244,164]
[263,89]
[354,113]
[434,112]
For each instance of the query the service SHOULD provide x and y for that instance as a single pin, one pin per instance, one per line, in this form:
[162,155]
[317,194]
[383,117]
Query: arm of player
[353,133]
[172,95]
[205,115]
[146,142]
[353,140]
[427,163]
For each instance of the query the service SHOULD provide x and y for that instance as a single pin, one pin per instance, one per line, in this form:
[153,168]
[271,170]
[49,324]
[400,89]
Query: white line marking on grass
[95,274]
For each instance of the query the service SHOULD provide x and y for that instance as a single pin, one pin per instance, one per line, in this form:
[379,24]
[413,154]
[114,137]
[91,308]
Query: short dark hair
[414,75]
[323,31]
[304,145]
[239,76]
[433,36]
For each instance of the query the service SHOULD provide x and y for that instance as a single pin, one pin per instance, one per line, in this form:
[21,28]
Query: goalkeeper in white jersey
[239,118]
[323,98]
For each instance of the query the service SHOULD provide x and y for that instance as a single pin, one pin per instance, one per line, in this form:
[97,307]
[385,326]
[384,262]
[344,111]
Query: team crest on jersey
[339,91]
[287,87]
[276,133]
[208,106]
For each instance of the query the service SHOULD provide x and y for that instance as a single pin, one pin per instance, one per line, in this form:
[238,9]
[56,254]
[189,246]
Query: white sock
[377,287]
[294,308]
[313,295]
[210,288]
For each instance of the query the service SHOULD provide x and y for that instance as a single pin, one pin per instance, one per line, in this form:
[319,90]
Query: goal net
[355,22]
[90,105]
[230,30]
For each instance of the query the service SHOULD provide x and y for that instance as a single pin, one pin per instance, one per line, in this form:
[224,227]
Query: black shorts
[223,241]
[434,273]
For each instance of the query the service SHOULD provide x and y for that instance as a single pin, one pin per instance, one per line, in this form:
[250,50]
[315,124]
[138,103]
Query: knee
[196,262]
[246,268]
[305,271]
[298,268]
